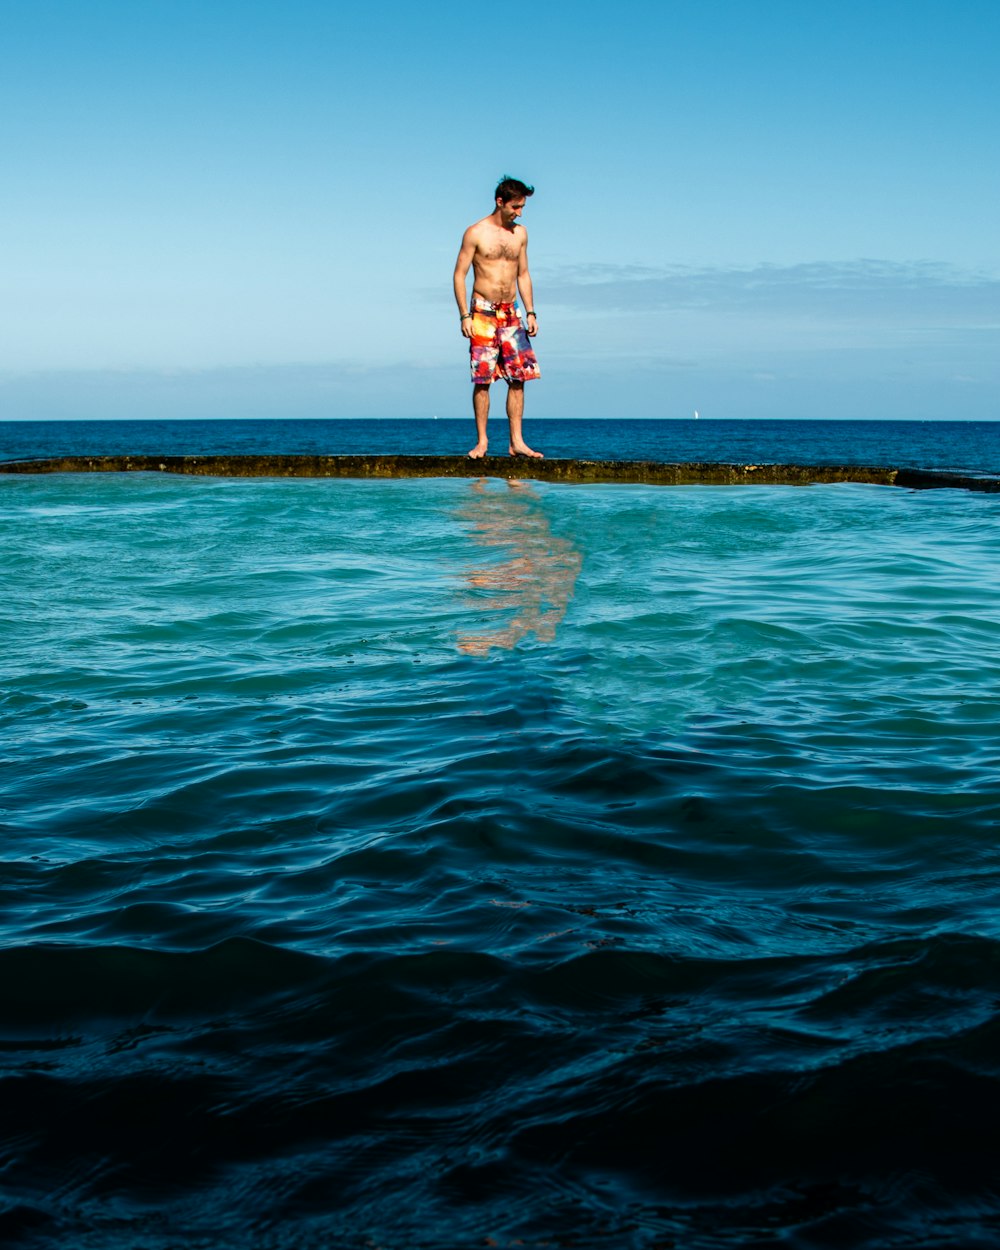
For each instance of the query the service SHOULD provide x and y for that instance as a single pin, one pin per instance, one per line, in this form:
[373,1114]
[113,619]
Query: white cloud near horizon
[860,338]
[929,292]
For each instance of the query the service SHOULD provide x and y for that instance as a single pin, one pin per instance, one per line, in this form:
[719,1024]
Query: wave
[608,1099]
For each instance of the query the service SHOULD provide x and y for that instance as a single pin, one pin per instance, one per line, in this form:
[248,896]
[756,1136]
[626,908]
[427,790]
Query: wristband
[464,315]
[531,313]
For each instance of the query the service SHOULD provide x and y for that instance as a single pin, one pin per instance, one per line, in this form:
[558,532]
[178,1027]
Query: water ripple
[606,866]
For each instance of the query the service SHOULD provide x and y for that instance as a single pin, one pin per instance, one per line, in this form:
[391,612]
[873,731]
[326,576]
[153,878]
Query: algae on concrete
[554,470]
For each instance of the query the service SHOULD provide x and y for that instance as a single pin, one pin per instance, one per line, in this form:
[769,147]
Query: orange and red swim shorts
[499,346]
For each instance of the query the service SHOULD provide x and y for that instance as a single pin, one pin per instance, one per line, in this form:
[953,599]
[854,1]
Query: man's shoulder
[479,226]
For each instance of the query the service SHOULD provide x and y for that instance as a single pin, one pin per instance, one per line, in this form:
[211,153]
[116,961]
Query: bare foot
[478,451]
[522,449]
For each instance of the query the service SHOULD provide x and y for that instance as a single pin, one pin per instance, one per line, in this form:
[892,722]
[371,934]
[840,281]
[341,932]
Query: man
[496,248]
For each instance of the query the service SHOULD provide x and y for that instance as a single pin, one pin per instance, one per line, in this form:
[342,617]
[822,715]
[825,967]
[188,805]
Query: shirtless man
[497,250]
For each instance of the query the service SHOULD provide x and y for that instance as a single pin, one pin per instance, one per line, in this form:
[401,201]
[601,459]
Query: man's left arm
[524,286]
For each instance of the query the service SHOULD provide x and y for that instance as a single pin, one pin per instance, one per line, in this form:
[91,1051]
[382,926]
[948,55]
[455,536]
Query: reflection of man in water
[535,582]
[497,249]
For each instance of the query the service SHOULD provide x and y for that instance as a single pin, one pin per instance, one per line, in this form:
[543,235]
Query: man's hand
[532,325]
[467,327]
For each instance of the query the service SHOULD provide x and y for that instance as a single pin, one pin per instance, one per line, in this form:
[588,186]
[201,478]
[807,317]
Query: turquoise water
[457,863]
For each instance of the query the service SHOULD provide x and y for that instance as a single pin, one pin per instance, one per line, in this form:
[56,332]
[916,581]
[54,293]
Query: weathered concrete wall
[649,471]
[930,479]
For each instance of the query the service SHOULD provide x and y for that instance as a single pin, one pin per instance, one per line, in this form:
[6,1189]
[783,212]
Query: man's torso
[496,260]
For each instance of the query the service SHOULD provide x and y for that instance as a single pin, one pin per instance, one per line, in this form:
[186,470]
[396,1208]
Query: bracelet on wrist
[531,313]
[465,315]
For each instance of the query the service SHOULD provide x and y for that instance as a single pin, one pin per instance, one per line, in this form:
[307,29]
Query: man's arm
[465,254]
[524,286]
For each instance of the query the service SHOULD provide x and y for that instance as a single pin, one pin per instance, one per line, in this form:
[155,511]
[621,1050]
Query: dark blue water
[470,863]
[971,446]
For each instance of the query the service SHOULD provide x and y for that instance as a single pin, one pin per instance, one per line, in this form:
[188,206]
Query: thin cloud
[921,292]
[331,389]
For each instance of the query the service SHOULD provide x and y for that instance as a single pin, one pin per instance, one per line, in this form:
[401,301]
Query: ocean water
[966,446]
[468,863]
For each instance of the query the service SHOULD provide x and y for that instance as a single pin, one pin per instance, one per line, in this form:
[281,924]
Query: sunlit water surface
[453,863]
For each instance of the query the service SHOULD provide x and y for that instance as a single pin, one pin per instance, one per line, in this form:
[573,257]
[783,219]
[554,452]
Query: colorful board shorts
[499,347]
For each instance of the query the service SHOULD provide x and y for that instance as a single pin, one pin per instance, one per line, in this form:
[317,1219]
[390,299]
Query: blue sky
[755,208]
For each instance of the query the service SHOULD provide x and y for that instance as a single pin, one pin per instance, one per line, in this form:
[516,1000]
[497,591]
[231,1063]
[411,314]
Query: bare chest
[500,245]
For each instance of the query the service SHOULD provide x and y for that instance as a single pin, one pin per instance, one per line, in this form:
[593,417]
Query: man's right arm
[465,254]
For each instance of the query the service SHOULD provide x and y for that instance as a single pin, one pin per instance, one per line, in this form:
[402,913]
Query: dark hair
[509,188]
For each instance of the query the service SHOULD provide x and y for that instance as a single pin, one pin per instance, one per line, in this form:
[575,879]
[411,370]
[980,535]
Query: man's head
[511,194]
[512,189]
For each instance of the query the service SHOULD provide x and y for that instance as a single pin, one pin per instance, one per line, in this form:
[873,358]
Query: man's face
[510,211]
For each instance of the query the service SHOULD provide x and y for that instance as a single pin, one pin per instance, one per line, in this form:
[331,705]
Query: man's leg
[515,416]
[481,411]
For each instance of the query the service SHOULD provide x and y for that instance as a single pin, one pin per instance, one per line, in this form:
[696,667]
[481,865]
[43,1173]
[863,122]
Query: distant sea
[478,863]
[969,446]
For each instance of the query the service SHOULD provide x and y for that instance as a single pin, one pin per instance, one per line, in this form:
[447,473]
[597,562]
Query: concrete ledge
[649,471]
